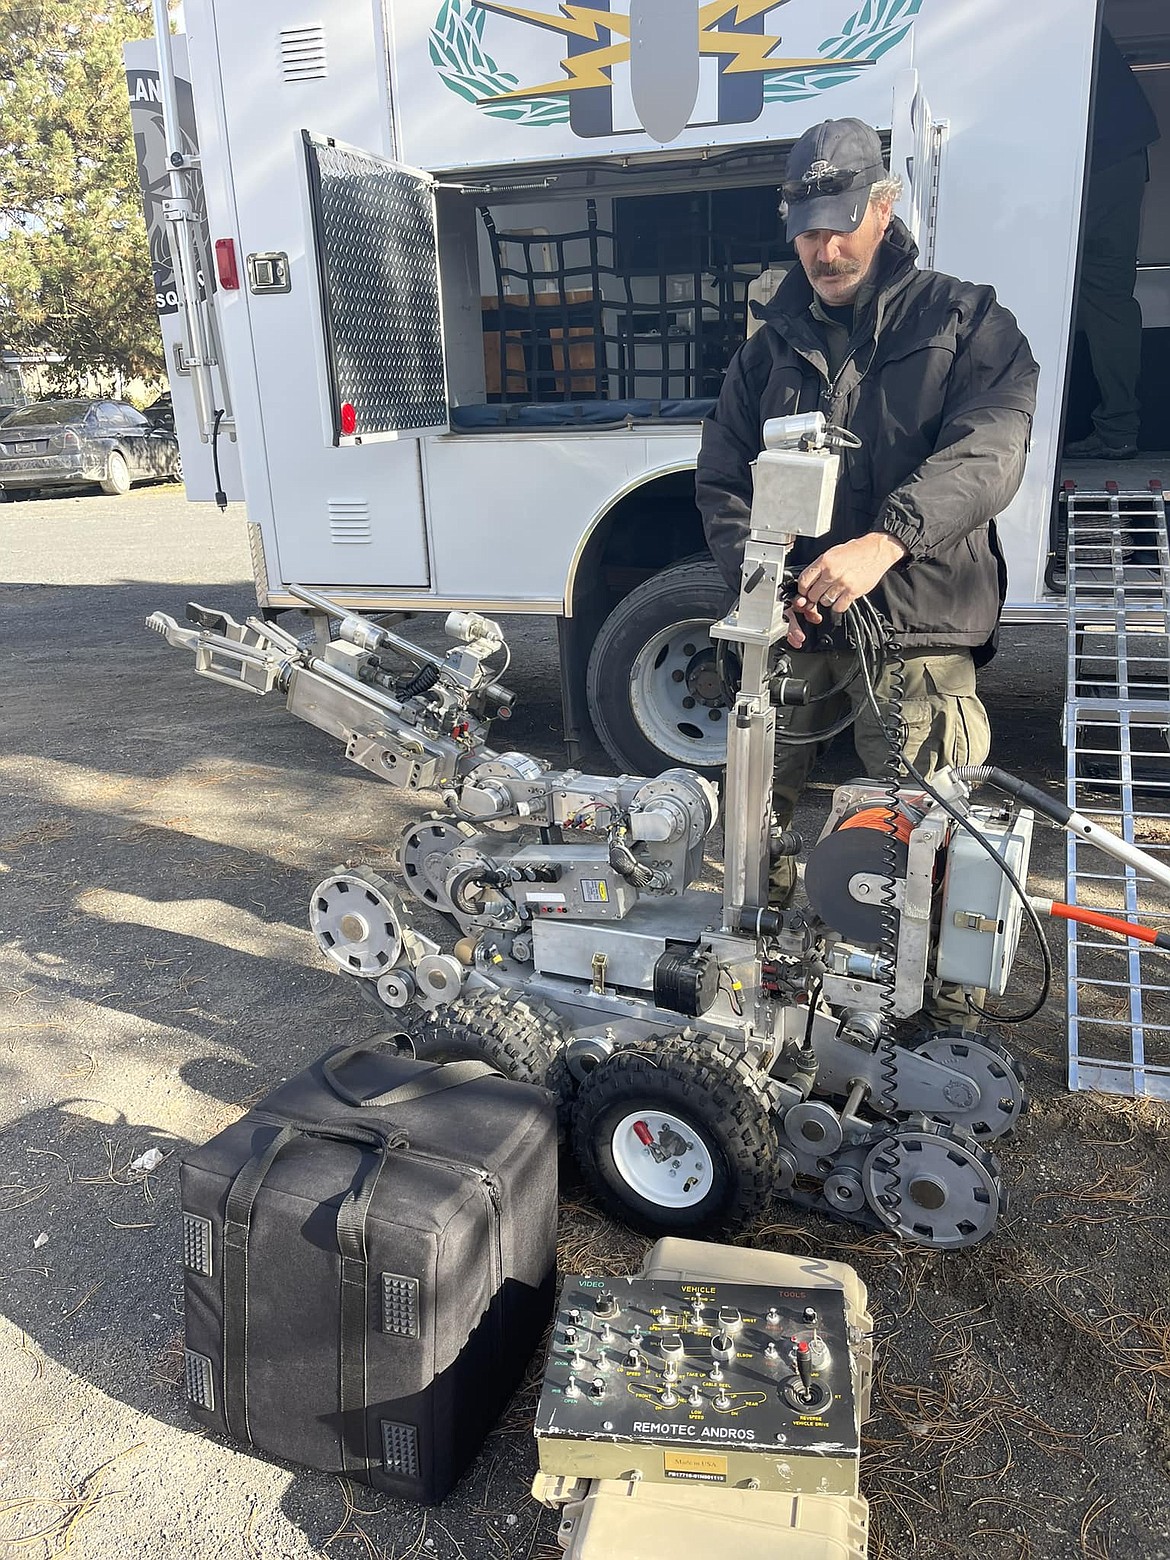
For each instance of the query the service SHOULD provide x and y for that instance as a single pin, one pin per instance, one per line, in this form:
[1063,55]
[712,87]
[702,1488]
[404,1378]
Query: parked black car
[161,413]
[64,443]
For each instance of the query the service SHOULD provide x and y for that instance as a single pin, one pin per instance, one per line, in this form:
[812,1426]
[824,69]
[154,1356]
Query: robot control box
[703,1383]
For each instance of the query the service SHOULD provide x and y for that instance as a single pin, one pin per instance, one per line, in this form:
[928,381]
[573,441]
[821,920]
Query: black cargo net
[375,230]
[654,310]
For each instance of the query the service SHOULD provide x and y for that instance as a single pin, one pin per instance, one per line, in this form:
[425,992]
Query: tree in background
[75,274]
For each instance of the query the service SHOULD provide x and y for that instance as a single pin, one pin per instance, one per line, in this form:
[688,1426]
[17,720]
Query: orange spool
[880,818]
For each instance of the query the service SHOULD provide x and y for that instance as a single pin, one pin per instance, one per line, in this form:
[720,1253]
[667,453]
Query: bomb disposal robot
[707,1051]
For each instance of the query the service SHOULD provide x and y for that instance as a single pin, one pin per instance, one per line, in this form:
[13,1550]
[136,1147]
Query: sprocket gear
[934,1186]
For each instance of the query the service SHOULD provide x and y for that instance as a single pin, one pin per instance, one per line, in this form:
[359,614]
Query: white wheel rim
[657,692]
[676,1182]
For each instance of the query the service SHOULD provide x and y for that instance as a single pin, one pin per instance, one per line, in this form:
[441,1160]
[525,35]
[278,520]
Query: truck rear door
[332,337]
[916,145]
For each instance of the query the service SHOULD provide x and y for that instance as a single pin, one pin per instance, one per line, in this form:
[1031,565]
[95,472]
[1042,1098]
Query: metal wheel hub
[662,1158]
[675,695]
[423,859]
[702,678]
[934,1188]
[355,923]
[992,1101]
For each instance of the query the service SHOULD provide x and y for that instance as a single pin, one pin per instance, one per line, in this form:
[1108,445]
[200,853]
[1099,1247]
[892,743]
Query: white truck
[479,267]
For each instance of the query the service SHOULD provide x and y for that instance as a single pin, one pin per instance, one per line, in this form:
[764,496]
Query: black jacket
[940,388]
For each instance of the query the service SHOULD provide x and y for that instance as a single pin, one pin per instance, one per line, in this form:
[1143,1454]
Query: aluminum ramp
[1117,715]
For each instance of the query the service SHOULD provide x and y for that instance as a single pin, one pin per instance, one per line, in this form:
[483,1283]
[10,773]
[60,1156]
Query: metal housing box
[976,890]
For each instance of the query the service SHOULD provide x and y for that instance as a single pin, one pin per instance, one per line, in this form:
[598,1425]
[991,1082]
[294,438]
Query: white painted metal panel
[329,514]
[150,145]
[498,504]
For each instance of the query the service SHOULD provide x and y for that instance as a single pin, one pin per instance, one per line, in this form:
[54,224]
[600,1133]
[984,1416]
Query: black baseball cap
[831,170]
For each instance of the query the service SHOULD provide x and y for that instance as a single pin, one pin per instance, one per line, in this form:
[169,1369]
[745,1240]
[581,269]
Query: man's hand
[838,577]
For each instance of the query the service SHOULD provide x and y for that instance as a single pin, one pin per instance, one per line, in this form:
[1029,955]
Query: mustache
[836,268]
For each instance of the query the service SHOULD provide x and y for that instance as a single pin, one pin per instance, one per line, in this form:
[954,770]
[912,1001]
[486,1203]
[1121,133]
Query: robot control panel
[727,1384]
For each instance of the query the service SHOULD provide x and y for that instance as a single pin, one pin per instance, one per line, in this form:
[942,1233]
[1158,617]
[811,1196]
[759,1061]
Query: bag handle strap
[441,1075]
[237,1231]
[354,1320]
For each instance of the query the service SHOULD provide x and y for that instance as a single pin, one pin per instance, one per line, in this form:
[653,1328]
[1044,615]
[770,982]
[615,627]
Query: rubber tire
[694,588]
[116,482]
[517,1036]
[561,1082]
[722,1101]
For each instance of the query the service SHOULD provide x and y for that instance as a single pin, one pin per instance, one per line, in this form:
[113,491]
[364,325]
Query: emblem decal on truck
[620,43]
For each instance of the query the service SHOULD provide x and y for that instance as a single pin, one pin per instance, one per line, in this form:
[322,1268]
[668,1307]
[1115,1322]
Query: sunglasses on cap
[824,180]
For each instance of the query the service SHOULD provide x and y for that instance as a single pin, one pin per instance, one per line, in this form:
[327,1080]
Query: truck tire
[652,689]
[116,481]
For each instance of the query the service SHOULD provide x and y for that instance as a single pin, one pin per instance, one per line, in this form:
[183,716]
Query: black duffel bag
[370,1262]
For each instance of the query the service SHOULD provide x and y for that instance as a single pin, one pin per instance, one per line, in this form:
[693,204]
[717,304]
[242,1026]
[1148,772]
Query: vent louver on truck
[302,54]
[349,520]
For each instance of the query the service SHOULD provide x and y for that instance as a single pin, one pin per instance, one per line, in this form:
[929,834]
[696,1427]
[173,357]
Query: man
[935,380]
[1124,127]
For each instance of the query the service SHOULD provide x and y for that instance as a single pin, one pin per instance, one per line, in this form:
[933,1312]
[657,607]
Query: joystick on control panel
[748,1379]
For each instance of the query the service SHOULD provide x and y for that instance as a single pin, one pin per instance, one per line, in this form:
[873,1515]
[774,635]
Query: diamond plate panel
[375,229]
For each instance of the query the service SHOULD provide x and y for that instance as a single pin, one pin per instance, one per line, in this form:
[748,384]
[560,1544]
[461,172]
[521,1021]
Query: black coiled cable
[425,678]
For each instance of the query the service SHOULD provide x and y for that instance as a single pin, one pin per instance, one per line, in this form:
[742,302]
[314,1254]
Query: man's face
[838,263]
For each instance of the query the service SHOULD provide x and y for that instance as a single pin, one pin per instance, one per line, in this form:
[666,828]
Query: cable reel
[846,870]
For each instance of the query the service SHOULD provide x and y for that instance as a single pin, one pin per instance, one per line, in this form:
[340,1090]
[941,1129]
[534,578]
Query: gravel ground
[159,837]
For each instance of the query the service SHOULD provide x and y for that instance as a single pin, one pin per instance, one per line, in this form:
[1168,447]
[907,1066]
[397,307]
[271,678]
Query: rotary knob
[597,1387]
[729,1318]
[670,1346]
[723,1347]
[571,1336]
[633,1359]
[606,1307]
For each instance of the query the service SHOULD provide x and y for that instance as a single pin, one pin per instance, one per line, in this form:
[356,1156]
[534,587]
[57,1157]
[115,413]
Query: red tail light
[225,265]
[70,440]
